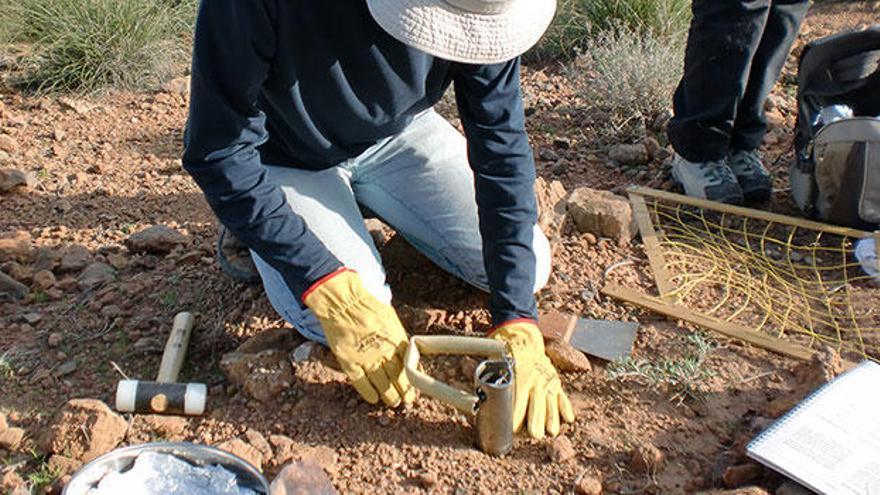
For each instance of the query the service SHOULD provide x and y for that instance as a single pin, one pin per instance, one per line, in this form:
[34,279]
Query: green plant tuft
[681,377]
[90,45]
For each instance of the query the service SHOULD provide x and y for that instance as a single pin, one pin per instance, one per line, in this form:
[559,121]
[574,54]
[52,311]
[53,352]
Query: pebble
[12,287]
[629,154]
[560,449]
[55,339]
[567,358]
[741,474]
[8,143]
[66,368]
[157,239]
[588,485]
[32,318]
[646,459]
[16,180]
[426,480]
[44,279]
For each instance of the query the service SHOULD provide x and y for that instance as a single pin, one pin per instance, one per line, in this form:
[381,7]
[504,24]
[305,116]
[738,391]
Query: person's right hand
[365,335]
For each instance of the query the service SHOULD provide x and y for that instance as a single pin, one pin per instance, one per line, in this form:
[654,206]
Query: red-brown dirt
[112,169]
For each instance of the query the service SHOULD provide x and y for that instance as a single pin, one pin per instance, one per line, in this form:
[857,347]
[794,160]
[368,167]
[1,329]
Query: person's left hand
[538,388]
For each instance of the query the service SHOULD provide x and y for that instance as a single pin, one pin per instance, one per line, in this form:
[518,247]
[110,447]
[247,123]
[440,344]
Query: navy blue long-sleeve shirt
[309,84]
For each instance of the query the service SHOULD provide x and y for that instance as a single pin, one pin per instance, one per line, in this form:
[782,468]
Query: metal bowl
[199,455]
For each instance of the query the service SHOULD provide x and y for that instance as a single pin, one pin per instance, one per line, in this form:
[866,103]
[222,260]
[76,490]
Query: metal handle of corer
[492,404]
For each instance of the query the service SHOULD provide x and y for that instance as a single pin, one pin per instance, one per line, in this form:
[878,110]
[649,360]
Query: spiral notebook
[830,442]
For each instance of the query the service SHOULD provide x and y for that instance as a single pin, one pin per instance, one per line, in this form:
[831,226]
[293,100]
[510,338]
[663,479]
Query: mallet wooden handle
[175,348]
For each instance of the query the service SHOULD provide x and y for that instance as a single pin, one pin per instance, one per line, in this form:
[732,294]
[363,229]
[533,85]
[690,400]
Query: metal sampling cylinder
[494,387]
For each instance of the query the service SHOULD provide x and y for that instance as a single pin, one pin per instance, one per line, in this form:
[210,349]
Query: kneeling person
[302,111]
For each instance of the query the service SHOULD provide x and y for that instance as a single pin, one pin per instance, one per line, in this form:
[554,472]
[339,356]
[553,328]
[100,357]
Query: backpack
[835,175]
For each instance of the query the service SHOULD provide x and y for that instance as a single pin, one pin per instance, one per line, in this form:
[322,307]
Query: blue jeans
[419,182]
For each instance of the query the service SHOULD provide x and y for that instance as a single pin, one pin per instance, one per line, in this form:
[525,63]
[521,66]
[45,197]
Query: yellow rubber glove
[365,335]
[538,387]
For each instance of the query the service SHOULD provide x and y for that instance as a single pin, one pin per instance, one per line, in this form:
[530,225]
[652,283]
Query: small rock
[47,259]
[259,442]
[556,325]
[661,120]
[158,239]
[263,375]
[303,352]
[426,480]
[285,448]
[55,339]
[84,429]
[11,438]
[302,478]
[741,474]
[11,287]
[178,86]
[95,274]
[66,368]
[652,147]
[646,459]
[8,143]
[548,155]
[16,180]
[74,258]
[629,154]
[588,485]
[602,213]
[551,205]
[44,279]
[378,231]
[791,488]
[13,483]
[246,451]
[590,239]
[322,455]
[561,144]
[567,358]
[118,261]
[15,246]
[560,449]
[81,107]
[32,318]
[560,167]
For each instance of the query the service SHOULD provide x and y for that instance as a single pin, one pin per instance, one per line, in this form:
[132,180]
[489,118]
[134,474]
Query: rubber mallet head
[164,396]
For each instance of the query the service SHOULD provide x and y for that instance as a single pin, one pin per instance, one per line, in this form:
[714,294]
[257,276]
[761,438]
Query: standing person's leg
[722,41]
[723,38]
[780,32]
[750,126]
[420,183]
[326,202]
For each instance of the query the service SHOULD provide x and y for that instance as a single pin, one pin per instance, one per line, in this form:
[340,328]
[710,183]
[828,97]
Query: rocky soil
[103,238]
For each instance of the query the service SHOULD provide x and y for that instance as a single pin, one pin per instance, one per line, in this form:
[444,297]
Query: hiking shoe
[753,177]
[708,180]
[235,258]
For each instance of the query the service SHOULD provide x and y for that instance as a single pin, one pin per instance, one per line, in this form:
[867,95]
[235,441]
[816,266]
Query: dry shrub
[627,79]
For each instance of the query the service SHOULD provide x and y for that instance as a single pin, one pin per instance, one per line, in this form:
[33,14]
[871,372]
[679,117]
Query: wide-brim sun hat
[469,31]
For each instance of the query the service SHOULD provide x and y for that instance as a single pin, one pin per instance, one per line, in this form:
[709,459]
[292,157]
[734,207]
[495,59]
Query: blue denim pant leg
[419,182]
